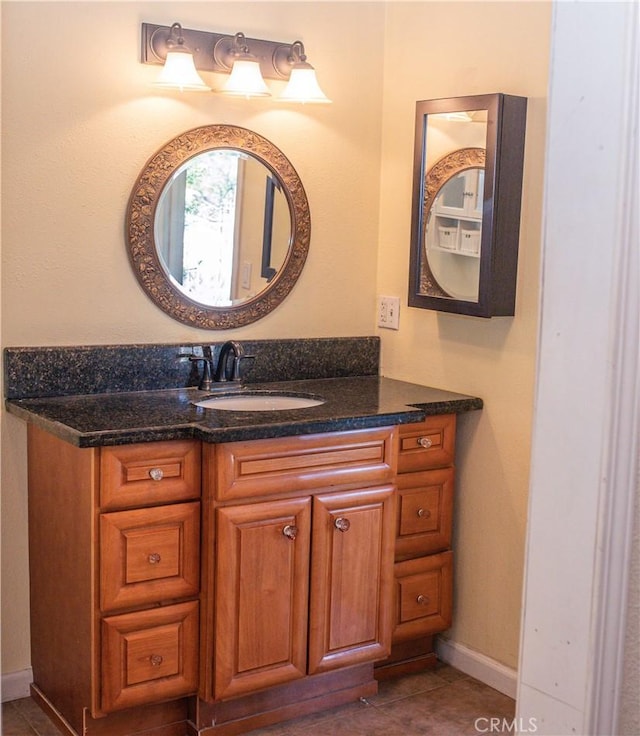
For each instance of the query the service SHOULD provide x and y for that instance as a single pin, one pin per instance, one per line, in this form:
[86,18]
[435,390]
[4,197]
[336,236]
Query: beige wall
[79,122]
[79,125]
[444,50]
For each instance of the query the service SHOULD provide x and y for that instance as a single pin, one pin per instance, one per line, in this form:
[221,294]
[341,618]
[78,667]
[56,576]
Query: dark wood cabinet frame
[506,121]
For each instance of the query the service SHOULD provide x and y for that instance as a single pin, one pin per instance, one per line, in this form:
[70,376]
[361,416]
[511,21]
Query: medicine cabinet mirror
[218,227]
[467,187]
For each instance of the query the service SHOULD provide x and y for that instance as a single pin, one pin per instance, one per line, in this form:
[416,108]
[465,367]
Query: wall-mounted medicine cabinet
[467,189]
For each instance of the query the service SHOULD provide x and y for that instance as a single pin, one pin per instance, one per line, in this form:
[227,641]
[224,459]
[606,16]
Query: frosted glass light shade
[303,86]
[246,80]
[179,72]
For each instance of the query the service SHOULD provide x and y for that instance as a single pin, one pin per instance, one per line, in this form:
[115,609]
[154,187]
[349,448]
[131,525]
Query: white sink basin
[258,402]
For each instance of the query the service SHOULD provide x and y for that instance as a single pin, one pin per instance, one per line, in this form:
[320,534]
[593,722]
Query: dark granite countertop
[93,420]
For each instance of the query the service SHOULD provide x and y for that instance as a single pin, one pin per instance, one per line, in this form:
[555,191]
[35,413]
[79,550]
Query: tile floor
[440,702]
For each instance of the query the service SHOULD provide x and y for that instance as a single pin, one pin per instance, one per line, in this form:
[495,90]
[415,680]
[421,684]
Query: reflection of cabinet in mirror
[466,204]
[455,224]
[462,195]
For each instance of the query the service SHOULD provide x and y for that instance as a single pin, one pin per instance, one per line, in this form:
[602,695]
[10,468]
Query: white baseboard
[483,668]
[15,685]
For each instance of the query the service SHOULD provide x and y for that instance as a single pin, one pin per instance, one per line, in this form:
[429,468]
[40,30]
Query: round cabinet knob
[342,525]
[424,513]
[423,600]
[424,442]
[156,660]
[154,558]
[290,531]
[156,474]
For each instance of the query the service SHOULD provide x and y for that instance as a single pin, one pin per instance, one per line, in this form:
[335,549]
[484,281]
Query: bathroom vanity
[201,571]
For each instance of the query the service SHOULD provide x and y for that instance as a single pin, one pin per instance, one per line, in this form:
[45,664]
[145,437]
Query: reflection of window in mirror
[210,229]
[196,225]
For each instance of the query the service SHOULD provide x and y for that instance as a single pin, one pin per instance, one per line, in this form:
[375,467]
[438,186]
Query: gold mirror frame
[140,233]
[437,176]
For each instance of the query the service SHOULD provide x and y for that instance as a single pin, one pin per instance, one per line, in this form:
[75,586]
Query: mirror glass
[218,227]
[222,227]
[452,204]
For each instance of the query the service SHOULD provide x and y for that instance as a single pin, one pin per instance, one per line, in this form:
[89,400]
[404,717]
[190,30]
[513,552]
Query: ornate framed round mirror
[218,227]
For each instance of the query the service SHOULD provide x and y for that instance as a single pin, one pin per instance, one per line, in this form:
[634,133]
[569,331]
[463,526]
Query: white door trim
[585,438]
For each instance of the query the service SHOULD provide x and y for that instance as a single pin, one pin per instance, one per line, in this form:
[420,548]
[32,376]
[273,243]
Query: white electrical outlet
[389,312]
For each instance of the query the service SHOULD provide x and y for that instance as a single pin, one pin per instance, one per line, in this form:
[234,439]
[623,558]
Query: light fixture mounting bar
[213,52]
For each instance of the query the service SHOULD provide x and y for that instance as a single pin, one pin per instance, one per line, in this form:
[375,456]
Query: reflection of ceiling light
[179,71]
[245,79]
[464,116]
[303,84]
[247,61]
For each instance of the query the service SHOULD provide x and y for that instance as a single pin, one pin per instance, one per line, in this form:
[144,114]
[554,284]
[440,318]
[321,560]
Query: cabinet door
[462,195]
[351,578]
[262,584]
[453,196]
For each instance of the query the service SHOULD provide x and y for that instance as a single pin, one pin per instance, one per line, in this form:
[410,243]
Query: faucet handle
[186,356]
[206,382]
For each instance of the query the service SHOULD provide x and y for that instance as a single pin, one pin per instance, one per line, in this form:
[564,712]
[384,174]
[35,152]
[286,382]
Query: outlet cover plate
[389,312]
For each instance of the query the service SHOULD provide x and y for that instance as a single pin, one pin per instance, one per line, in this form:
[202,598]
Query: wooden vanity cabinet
[423,589]
[184,587]
[300,587]
[278,616]
[114,549]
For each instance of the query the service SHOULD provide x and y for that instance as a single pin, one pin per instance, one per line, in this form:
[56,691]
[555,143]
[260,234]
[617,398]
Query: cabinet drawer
[423,599]
[347,459]
[429,444]
[425,512]
[149,555]
[150,473]
[149,656]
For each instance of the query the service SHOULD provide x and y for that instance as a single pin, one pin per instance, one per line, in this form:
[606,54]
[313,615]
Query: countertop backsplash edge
[38,372]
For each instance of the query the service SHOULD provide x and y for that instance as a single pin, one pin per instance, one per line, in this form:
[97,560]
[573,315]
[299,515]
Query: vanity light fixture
[179,71]
[303,84]
[247,61]
[245,79]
